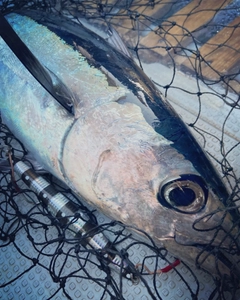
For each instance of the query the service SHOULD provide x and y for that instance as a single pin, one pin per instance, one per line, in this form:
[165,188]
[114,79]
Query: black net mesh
[199,39]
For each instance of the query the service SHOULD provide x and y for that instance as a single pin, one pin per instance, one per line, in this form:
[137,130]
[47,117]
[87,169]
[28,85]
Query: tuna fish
[124,150]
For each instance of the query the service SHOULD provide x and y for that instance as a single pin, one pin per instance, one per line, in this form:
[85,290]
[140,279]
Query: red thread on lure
[163,270]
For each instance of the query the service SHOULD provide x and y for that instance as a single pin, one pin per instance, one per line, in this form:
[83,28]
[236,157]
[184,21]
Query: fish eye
[187,193]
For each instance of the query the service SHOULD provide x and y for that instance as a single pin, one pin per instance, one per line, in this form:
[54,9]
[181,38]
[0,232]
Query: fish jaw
[202,238]
[121,168]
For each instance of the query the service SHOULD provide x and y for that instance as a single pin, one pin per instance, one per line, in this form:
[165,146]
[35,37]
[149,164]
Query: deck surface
[172,36]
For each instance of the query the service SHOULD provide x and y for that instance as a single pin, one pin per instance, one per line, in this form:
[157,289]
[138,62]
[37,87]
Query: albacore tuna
[156,179]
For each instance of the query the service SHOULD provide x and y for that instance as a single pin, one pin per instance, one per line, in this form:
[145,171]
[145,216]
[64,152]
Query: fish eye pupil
[182,196]
[187,193]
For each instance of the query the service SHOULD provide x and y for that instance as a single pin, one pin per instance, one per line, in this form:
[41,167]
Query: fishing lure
[68,214]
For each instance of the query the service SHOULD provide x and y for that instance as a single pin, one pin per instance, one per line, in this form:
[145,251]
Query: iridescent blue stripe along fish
[156,179]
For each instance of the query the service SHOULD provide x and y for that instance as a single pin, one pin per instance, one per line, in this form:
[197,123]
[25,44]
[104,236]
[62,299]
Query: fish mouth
[222,266]
[217,260]
[225,263]
[223,249]
[215,251]
[202,224]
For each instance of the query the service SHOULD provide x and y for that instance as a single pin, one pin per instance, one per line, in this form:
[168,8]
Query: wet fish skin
[108,153]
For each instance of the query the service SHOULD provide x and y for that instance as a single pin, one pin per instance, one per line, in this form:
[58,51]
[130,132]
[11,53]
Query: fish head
[136,176]
[170,201]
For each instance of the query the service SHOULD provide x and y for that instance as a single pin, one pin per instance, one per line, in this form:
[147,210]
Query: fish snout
[200,217]
[222,243]
[203,230]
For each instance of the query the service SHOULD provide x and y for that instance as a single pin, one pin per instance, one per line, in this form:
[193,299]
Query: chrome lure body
[155,179]
[68,214]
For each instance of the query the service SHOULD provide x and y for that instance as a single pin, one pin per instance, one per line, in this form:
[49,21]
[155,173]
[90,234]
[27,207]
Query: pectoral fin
[65,96]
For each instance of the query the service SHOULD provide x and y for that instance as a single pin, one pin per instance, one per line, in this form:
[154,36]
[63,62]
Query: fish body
[108,152]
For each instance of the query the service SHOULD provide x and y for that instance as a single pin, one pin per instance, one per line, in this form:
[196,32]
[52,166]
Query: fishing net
[190,49]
